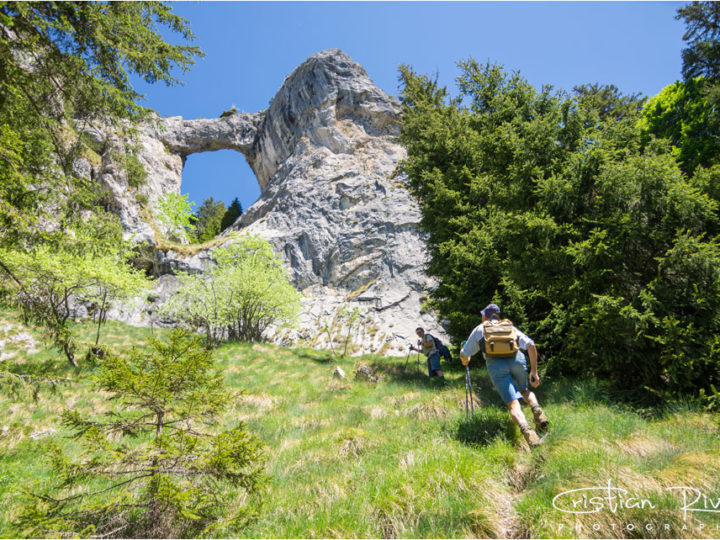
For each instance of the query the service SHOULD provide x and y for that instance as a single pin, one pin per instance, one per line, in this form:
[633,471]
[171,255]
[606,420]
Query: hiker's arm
[534,377]
[470,347]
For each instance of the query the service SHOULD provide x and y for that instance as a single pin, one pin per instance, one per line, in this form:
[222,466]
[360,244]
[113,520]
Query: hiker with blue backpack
[432,348]
[501,345]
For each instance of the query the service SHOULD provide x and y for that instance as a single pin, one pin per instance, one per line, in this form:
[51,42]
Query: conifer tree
[555,207]
[234,211]
[209,217]
[63,64]
[150,466]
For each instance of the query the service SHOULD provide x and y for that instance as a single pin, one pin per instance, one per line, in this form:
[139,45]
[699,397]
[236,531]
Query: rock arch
[325,155]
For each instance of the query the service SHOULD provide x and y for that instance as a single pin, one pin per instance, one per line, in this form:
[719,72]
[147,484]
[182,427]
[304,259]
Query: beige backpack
[500,339]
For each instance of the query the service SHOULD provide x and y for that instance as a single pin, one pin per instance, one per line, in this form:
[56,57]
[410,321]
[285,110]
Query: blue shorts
[509,376]
[433,363]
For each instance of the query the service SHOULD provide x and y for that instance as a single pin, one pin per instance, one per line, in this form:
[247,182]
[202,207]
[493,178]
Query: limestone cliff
[325,154]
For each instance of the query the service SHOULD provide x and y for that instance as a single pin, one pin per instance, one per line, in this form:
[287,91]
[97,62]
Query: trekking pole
[406,360]
[418,362]
[468,390]
[468,386]
[467,408]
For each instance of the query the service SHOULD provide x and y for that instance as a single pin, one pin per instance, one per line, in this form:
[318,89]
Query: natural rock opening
[332,202]
[223,175]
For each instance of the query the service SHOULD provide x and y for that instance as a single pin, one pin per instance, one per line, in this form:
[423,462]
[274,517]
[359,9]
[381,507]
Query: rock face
[325,154]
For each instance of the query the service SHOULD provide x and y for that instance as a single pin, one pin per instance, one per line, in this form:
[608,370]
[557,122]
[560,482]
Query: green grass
[397,457]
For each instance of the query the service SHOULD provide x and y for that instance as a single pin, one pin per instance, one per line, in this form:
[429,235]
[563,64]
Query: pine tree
[553,207]
[209,217]
[701,57]
[234,211]
[63,64]
[150,467]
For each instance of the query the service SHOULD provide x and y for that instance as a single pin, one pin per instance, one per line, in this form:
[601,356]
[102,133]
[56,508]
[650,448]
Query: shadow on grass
[484,426]
[29,380]
[594,391]
[48,367]
[411,371]
[317,356]
[409,374]
[553,389]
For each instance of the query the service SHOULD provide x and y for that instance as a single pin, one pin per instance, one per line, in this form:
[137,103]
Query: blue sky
[252,46]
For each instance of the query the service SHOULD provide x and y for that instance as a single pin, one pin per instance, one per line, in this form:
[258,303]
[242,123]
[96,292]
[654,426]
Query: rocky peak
[325,154]
[328,87]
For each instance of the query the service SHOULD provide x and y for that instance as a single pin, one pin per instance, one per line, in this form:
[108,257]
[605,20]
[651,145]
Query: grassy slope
[395,458]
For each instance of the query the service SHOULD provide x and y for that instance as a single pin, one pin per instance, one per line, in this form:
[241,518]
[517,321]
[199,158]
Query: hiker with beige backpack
[501,344]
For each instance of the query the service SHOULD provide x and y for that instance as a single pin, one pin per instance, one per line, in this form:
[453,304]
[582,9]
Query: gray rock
[169,262]
[325,154]
[365,373]
[41,434]
[183,137]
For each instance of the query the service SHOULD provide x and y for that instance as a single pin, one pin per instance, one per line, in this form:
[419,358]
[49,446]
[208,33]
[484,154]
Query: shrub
[229,112]
[591,238]
[179,480]
[136,173]
[240,297]
[46,283]
[174,213]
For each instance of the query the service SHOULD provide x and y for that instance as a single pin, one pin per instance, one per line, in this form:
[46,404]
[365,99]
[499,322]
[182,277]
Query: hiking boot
[541,421]
[530,436]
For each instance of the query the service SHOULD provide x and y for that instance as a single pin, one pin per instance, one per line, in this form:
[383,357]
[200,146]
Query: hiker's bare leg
[530,397]
[516,412]
[541,420]
[519,418]
[439,373]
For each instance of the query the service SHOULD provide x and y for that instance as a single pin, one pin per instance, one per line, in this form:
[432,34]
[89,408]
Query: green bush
[141,199]
[247,291]
[136,173]
[229,112]
[150,467]
[590,238]
[174,214]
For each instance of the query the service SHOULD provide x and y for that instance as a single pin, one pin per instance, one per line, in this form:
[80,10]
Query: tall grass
[398,457]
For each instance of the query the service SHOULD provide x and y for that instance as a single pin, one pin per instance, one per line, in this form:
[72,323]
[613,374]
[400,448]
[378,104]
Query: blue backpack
[442,349]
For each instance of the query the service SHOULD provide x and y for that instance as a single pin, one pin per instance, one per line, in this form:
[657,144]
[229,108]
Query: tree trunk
[101,317]
[69,351]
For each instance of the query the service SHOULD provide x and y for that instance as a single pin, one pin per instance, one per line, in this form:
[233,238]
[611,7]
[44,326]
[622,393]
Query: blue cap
[490,311]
